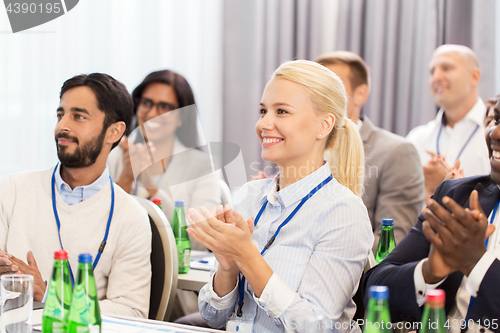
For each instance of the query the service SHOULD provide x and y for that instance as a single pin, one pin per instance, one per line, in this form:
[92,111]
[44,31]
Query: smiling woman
[166,121]
[298,244]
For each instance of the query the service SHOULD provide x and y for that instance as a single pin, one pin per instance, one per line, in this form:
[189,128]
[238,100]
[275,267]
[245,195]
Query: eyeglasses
[145,105]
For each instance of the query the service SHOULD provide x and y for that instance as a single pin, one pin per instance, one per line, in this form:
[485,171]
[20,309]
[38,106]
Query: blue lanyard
[56,215]
[463,148]
[472,298]
[241,285]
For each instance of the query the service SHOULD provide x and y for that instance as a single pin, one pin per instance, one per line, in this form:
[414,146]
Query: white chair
[226,195]
[164,263]
[370,262]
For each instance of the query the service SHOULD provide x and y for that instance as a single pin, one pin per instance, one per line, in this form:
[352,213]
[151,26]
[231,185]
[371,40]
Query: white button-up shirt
[475,157]
[317,258]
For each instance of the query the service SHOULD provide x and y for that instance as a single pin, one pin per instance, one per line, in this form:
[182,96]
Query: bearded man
[75,205]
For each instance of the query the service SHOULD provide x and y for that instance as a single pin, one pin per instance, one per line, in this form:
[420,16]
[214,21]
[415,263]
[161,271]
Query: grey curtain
[396,38]
[258,36]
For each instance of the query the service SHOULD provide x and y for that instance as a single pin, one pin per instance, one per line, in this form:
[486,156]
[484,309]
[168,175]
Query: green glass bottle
[157,201]
[181,237]
[58,301]
[84,314]
[386,242]
[378,318]
[434,317]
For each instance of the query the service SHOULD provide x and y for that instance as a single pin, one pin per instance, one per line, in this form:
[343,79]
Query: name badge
[243,324]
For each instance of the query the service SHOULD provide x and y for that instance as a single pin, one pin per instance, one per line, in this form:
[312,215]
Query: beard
[83,156]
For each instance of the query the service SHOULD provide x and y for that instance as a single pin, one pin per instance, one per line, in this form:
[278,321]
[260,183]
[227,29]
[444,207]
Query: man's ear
[115,132]
[360,95]
[476,76]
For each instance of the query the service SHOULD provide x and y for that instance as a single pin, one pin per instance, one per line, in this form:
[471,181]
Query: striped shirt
[317,258]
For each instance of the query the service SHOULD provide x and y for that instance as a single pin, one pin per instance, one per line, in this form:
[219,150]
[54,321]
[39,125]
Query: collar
[296,191]
[359,124]
[476,114]
[86,191]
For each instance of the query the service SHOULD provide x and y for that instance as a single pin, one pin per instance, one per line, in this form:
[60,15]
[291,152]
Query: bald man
[457,132]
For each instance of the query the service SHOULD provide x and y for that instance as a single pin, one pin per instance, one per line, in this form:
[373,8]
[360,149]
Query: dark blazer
[396,271]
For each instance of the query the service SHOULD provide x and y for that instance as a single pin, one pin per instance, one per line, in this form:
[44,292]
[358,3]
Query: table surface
[194,279]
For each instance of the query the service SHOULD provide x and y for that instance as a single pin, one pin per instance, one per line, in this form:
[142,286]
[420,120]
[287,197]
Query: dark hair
[187,132]
[360,72]
[112,97]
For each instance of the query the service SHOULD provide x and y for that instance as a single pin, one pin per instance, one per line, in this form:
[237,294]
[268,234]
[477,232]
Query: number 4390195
[33,8]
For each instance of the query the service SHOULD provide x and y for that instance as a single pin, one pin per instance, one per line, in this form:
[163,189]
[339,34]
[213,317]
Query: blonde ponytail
[346,157]
[344,149]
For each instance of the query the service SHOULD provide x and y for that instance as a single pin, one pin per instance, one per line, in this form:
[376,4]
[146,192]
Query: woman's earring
[320,135]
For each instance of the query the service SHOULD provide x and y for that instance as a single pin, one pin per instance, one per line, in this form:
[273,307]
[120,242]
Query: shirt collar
[87,191]
[359,124]
[296,191]
[476,114]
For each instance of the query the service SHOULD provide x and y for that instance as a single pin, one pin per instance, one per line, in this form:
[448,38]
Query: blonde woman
[298,244]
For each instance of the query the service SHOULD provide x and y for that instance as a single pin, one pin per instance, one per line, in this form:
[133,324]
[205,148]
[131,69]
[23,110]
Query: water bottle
[84,314]
[378,318]
[434,317]
[58,301]
[157,201]
[386,242]
[181,237]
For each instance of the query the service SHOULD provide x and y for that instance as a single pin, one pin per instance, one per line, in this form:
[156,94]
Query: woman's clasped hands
[223,231]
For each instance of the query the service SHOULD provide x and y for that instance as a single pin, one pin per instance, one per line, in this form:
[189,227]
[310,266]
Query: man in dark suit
[394,182]
[447,250]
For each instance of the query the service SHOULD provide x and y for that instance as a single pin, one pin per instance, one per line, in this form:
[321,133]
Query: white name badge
[243,324]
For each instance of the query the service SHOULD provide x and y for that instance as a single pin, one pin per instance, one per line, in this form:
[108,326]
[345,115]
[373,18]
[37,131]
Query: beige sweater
[123,274]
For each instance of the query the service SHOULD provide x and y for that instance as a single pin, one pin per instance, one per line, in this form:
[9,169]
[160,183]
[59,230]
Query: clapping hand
[228,237]
[457,238]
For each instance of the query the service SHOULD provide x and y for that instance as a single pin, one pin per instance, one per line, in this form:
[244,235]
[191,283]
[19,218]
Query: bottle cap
[378,292]
[387,222]
[179,203]
[61,255]
[85,258]
[435,297]
[156,201]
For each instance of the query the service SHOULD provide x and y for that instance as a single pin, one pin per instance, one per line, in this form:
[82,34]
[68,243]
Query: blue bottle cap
[85,258]
[378,292]
[386,222]
[179,203]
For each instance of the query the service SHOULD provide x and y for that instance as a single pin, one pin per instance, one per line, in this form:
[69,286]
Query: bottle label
[88,329]
[58,327]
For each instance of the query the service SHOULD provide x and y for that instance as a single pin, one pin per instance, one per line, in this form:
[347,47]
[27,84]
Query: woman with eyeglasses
[165,132]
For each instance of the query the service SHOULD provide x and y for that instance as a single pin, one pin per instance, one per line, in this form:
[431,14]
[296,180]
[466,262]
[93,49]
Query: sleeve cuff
[420,286]
[220,303]
[478,272]
[276,297]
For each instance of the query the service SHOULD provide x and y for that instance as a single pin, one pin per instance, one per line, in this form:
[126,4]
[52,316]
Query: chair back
[226,195]
[164,263]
